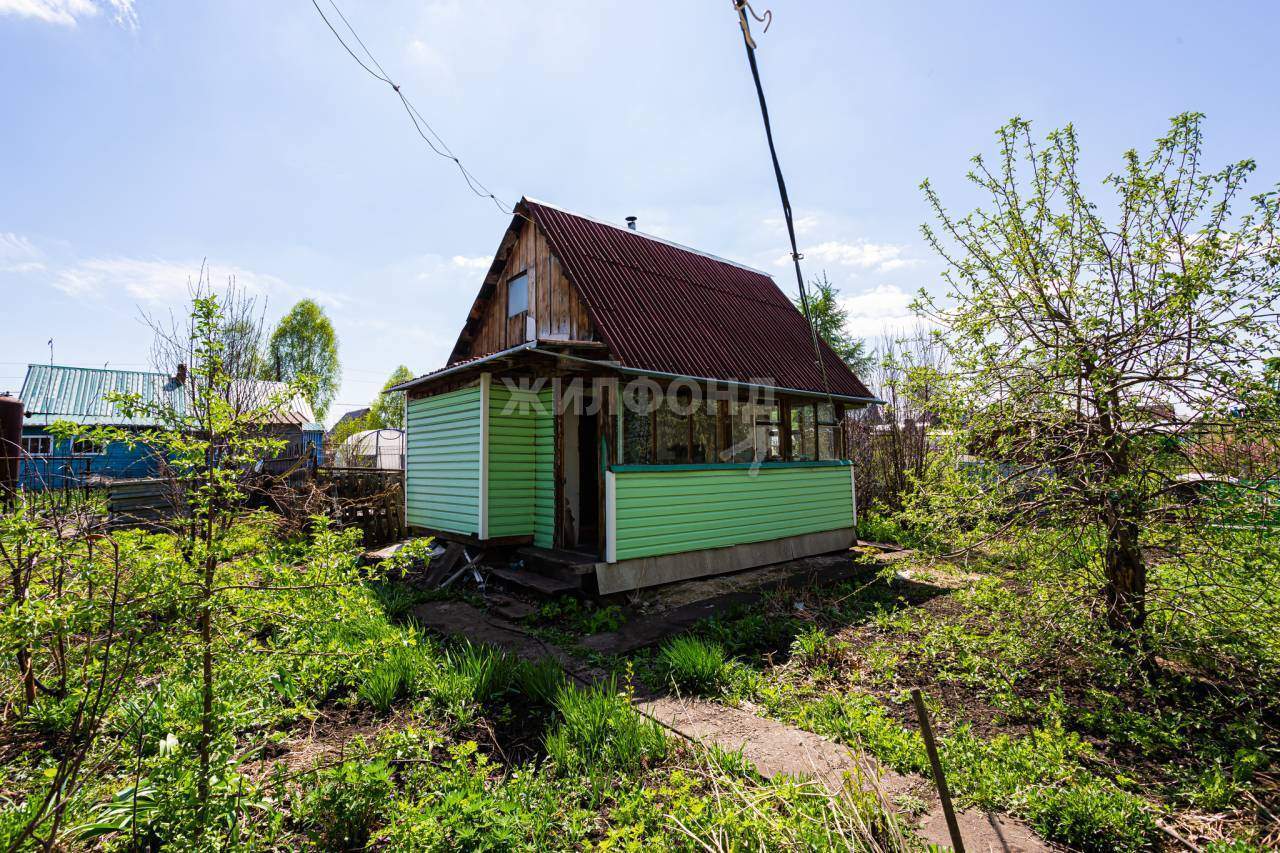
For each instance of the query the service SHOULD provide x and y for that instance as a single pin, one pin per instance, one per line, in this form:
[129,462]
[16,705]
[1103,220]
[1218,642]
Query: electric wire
[742,7]
[434,141]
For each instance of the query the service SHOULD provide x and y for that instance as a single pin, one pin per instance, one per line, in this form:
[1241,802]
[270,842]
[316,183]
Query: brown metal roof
[668,309]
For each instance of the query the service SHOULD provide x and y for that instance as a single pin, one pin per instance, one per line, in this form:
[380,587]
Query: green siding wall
[544,482]
[442,458]
[511,461]
[669,512]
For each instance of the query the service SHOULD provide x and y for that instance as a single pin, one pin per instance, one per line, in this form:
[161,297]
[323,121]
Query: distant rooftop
[53,392]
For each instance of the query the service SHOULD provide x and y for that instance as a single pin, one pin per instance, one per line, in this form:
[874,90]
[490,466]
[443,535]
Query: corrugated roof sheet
[669,309]
[53,392]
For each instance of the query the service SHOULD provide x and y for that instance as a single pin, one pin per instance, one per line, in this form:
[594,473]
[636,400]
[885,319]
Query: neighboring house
[353,415]
[78,394]
[565,415]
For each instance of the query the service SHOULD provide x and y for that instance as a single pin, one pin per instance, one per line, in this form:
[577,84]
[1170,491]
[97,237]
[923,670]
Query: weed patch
[599,731]
[692,664]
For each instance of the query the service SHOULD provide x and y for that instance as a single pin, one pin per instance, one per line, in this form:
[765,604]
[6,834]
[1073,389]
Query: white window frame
[47,440]
[526,278]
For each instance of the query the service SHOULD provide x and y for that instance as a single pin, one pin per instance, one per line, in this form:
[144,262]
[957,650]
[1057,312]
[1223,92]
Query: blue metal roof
[54,392]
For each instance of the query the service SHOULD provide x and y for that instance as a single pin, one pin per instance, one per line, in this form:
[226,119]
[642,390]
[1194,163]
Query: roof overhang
[464,366]
[616,367]
[732,383]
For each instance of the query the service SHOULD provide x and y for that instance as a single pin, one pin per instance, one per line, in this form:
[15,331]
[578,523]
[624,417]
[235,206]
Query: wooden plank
[532,580]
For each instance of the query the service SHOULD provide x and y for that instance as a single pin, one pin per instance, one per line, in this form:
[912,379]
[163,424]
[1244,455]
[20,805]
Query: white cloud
[68,13]
[884,309]
[479,263]
[18,254]
[158,282]
[860,254]
[804,225]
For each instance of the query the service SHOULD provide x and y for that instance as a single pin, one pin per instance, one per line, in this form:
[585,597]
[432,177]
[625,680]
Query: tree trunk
[1125,592]
[206,684]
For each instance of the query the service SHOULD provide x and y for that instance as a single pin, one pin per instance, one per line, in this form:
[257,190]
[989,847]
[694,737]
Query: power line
[438,146]
[742,7]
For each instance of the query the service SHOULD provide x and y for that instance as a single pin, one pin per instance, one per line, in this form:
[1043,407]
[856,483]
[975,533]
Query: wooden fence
[144,502]
[370,499]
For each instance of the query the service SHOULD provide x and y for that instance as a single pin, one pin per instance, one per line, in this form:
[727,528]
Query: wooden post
[936,764]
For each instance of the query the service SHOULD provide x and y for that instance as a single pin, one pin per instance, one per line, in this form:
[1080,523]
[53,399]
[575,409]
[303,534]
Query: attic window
[518,295]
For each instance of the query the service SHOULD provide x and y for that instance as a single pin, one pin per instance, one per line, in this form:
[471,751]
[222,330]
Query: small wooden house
[53,393]
[657,411]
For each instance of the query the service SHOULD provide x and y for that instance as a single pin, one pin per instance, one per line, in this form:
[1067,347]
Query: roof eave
[449,371]
[639,371]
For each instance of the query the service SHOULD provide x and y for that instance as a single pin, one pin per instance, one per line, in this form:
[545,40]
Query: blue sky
[140,137]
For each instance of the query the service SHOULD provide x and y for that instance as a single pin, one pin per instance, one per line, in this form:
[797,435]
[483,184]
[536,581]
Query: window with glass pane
[804,435]
[37,445]
[518,295]
[673,435]
[828,447]
[768,436]
[704,433]
[740,432]
[637,428]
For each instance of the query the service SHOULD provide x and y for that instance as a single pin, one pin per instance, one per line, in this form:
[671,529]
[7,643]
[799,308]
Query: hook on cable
[742,7]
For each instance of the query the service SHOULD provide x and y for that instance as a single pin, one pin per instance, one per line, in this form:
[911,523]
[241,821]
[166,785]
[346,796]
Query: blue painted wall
[117,460]
[53,471]
[315,437]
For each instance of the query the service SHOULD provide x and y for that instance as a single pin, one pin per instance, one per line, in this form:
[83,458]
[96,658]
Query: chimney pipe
[631,222]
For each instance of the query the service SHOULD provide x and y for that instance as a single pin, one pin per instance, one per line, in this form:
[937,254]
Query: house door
[580,518]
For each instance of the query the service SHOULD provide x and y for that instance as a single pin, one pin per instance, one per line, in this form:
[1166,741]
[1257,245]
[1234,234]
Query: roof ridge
[647,236]
[156,373]
[98,369]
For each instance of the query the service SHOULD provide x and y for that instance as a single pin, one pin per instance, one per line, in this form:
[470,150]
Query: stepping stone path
[775,748]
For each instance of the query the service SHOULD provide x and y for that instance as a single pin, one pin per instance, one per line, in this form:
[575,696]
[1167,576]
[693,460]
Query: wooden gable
[556,310]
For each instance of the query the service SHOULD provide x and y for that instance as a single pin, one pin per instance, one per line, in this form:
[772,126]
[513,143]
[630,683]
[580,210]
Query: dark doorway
[589,480]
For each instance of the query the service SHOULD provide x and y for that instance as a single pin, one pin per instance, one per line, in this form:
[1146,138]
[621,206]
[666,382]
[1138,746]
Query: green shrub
[1092,815]
[693,664]
[815,646]
[456,804]
[475,676]
[539,683]
[488,672]
[396,599]
[394,678]
[340,811]
[49,716]
[599,730]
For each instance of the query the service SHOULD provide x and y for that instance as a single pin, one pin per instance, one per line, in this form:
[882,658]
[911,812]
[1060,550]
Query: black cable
[416,117]
[740,7]
[348,49]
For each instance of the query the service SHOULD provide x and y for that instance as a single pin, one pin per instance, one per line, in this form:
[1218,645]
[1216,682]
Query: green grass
[396,677]
[468,747]
[1072,737]
[692,664]
[599,731]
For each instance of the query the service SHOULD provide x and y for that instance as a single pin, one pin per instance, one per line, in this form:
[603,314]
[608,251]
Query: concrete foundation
[651,571]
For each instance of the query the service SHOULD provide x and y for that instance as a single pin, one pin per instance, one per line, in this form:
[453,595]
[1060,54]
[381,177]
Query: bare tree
[890,442]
